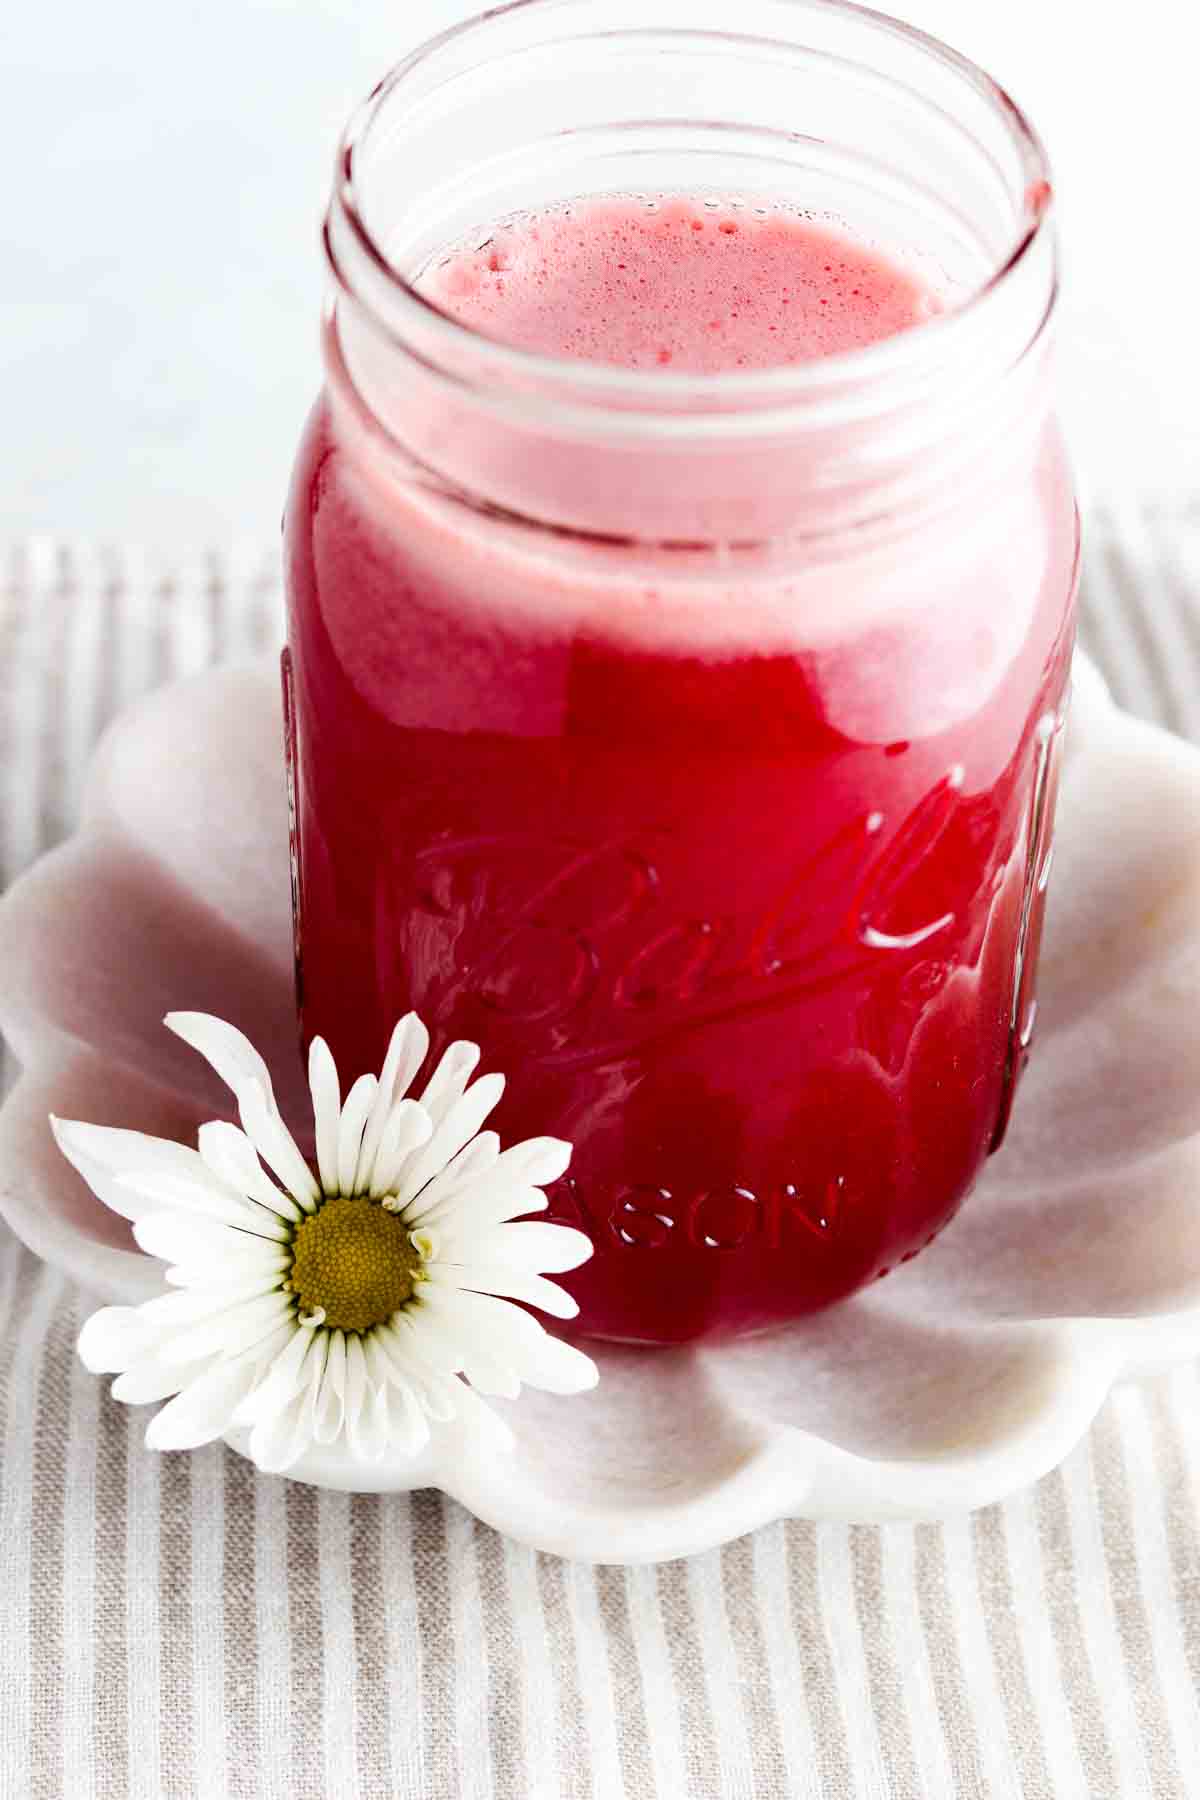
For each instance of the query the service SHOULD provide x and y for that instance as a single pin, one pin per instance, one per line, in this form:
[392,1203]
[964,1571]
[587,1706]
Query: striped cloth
[177,1626]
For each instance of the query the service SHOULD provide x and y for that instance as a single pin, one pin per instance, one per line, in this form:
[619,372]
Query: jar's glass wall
[690,745]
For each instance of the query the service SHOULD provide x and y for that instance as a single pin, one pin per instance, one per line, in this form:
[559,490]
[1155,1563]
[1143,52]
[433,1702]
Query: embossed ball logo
[578,962]
[578,942]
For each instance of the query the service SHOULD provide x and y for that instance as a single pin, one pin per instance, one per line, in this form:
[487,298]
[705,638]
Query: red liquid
[734,876]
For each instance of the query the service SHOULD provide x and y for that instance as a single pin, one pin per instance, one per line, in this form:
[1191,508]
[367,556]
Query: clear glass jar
[689,742]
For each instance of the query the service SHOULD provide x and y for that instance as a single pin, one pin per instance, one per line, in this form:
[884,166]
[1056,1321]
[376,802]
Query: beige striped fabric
[179,1627]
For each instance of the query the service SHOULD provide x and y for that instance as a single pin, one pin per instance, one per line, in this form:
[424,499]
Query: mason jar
[689,742]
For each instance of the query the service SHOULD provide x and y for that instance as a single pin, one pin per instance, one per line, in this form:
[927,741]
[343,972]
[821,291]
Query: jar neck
[552,99]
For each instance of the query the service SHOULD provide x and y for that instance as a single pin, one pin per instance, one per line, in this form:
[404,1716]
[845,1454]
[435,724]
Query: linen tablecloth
[177,1626]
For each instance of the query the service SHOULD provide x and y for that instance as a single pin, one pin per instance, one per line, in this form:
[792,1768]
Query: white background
[164,165]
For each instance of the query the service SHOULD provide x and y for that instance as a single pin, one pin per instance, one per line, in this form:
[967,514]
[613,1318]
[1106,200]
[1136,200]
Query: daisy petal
[182,1238]
[266,1352]
[168,1313]
[475,1208]
[115,1338]
[537,1161]
[487,1376]
[545,1249]
[542,1248]
[441,1397]
[425,1340]
[374,1427]
[330,1412]
[314,1369]
[368,1150]
[503,1331]
[283,1379]
[260,1334]
[409,1426]
[406,1052]
[448,1080]
[229,1332]
[196,1274]
[356,1382]
[243,1070]
[355,1113]
[408,1128]
[375,1358]
[511,1284]
[556,1367]
[103,1155]
[204,1195]
[201,1411]
[457,1128]
[155,1380]
[263,1353]
[436,1393]
[277,1147]
[224,1048]
[475,1158]
[231,1156]
[295,1432]
[403,1423]
[327,1110]
[278,1441]
[368,1435]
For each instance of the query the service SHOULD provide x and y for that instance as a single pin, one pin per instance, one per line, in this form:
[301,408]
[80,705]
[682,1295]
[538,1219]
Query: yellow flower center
[354,1261]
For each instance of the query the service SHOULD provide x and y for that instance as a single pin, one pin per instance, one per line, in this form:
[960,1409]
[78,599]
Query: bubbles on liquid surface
[643,281]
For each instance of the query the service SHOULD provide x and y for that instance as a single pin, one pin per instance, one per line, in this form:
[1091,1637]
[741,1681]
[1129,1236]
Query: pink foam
[684,284]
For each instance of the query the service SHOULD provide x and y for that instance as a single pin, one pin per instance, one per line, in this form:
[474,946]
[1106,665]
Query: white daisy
[342,1306]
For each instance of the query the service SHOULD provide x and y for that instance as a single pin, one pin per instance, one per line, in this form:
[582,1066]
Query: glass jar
[689,742]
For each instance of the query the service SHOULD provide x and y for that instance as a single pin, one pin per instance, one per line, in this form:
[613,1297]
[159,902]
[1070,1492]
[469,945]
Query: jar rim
[598,381]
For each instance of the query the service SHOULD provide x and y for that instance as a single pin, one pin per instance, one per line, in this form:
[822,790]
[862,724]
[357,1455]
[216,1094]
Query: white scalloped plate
[965,1375]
